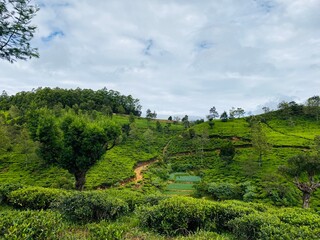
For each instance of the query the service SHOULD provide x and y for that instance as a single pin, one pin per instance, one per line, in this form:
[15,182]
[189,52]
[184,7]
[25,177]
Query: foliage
[6,189]
[81,100]
[279,224]
[76,143]
[224,117]
[227,152]
[91,206]
[16,31]
[227,191]
[182,215]
[259,140]
[304,169]
[30,225]
[35,197]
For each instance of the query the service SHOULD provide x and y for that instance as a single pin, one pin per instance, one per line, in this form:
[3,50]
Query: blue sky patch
[52,36]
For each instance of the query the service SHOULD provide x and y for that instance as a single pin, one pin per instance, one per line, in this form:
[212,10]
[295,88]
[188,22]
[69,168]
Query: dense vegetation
[240,178]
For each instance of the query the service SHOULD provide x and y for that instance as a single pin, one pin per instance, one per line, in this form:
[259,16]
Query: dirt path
[144,165]
[141,167]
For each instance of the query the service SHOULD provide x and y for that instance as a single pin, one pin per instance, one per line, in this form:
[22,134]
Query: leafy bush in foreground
[6,189]
[182,215]
[92,206]
[30,225]
[269,226]
[35,197]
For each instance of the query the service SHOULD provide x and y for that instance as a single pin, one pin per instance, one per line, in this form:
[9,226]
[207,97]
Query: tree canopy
[304,169]
[73,142]
[16,30]
[104,100]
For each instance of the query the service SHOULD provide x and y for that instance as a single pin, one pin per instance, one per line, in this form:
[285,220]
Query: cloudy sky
[177,56]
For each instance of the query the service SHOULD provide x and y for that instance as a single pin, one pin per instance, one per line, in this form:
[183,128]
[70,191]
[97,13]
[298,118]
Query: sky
[177,56]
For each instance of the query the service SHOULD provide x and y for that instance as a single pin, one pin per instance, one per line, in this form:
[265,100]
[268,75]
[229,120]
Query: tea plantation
[201,180]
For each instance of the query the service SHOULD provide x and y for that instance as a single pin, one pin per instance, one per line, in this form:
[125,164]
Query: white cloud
[176,56]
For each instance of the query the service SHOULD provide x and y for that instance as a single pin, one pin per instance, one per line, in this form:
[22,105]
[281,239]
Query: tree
[170,118]
[285,109]
[150,115]
[75,142]
[176,119]
[213,113]
[259,141]
[313,106]
[4,139]
[232,113]
[303,169]
[239,112]
[16,31]
[266,109]
[224,117]
[185,121]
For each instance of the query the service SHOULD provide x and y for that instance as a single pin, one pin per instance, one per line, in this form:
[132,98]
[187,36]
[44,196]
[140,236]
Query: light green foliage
[277,224]
[91,206]
[35,197]
[16,225]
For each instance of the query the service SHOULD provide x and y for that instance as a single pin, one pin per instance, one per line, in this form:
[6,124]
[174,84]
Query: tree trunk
[80,177]
[306,199]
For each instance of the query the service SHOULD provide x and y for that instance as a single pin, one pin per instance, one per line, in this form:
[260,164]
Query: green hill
[219,162]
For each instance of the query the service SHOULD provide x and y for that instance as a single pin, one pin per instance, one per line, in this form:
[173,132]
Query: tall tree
[185,121]
[224,117]
[75,142]
[304,169]
[259,140]
[16,31]
[213,113]
[150,115]
[313,107]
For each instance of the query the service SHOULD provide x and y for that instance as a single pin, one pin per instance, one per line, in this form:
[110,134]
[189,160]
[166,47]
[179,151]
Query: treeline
[103,100]
[286,110]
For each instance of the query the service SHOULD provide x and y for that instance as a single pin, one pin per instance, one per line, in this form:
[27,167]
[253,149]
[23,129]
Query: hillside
[218,163]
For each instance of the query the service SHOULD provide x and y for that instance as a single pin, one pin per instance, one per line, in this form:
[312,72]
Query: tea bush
[6,189]
[30,225]
[92,206]
[178,215]
[281,224]
[35,197]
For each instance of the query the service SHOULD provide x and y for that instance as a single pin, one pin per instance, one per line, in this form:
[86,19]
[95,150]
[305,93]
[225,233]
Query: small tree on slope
[304,169]
[75,143]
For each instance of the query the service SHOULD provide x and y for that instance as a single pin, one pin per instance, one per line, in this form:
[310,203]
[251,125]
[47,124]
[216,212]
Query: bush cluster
[35,197]
[280,224]
[6,189]
[30,225]
[92,206]
[227,191]
[181,215]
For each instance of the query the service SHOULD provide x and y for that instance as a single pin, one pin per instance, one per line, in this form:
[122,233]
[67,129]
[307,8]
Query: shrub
[183,215]
[227,211]
[6,189]
[106,230]
[30,225]
[225,191]
[92,206]
[178,215]
[35,197]
[249,226]
[132,198]
[280,224]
